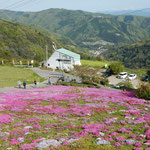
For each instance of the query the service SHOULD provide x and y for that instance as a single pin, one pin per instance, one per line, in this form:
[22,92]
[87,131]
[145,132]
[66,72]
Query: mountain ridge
[81,26]
[140,12]
[21,42]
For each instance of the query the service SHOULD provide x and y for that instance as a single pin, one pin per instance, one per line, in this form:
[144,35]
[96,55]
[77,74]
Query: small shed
[63,59]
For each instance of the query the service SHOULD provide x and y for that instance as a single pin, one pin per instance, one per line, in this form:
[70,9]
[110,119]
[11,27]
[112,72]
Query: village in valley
[73,79]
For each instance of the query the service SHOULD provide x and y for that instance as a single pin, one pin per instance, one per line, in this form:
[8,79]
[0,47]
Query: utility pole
[46,53]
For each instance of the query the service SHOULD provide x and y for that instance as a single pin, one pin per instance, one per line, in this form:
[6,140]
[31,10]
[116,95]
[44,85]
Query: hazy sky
[88,5]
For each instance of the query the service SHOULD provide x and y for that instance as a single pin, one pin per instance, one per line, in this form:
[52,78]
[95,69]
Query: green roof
[69,53]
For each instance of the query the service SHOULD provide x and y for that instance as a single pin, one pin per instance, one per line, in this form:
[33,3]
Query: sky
[87,5]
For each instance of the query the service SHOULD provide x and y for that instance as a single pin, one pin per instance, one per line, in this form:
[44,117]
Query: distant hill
[18,41]
[142,12]
[82,27]
[133,56]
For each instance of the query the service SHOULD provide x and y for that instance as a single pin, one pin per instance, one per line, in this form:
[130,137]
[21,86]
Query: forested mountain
[18,41]
[141,12]
[83,27]
[133,56]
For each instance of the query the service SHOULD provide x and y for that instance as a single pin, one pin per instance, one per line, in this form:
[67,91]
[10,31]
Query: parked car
[107,73]
[132,76]
[122,75]
[146,78]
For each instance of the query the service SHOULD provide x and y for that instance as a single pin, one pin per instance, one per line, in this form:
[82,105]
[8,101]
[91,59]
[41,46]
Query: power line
[32,2]
[21,4]
[14,4]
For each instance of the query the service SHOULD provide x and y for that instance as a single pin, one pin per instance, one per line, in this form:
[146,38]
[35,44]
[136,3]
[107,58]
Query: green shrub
[126,84]
[91,86]
[36,64]
[148,72]
[143,92]
[90,82]
[66,84]
[96,80]
[104,82]
[98,86]
[116,67]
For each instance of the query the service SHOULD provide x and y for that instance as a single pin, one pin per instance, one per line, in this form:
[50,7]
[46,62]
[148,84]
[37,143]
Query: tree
[116,67]
[148,72]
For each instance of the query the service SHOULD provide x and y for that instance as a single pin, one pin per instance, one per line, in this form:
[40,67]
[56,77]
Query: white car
[132,76]
[122,75]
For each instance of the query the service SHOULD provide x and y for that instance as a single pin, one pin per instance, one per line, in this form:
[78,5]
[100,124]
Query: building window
[66,62]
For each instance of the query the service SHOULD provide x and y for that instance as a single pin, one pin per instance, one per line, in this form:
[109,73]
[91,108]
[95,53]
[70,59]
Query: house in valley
[63,59]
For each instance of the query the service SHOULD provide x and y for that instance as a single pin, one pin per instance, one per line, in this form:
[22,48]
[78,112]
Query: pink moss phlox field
[60,115]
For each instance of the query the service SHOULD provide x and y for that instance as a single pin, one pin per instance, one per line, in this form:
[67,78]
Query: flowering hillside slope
[59,117]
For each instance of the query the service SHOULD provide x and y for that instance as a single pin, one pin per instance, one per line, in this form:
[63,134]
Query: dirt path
[30,86]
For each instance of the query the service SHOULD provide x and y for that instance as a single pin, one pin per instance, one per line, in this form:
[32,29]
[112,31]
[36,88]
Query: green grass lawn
[97,64]
[10,75]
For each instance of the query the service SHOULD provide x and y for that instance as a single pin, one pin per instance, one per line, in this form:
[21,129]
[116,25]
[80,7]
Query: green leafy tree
[116,67]
[148,72]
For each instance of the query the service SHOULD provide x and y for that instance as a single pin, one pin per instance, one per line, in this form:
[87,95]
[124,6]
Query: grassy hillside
[97,64]
[133,56]
[10,75]
[82,26]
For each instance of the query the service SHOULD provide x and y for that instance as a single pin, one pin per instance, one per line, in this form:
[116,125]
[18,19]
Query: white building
[63,59]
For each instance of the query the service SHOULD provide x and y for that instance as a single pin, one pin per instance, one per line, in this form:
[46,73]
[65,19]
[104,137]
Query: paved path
[55,75]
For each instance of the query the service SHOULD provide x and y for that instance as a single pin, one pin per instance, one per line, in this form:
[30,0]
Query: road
[114,80]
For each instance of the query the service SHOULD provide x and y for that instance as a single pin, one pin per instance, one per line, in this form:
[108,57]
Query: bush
[144,91]
[98,86]
[148,72]
[96,80]
[104,82]
[36,64]
[90,82]
[116,67]
[91,86]
[126,84]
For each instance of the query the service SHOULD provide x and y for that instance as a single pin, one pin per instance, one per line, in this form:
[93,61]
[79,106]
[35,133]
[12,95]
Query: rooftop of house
[69,53]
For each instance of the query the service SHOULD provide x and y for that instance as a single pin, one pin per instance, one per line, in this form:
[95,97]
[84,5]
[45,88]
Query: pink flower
[122,139]
[117,144]
[14,142]
[137,144]
[65,143]
[114,134]
[137,148]
[133,136]
[147,134]
[28,146]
